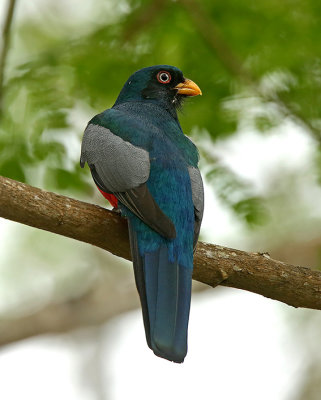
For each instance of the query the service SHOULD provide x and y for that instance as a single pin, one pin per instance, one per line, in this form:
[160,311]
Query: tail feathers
[168,292]
[165,293]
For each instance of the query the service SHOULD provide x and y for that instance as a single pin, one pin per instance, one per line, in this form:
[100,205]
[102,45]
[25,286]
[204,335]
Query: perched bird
[142,162]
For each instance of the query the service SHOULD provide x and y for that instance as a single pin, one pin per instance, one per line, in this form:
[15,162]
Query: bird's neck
[150,108]
[164,105]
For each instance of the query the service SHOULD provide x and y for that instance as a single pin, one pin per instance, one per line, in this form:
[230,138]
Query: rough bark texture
[213,265]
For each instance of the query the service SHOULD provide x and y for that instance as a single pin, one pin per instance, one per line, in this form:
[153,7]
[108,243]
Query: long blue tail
[168,292]
[165,294]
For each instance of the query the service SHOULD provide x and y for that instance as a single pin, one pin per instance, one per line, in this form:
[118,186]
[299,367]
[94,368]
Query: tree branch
[102,302]
[107,298]
[213,265]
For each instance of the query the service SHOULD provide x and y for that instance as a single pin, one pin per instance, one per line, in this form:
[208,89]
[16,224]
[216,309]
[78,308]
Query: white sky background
[240,344]
[238,348]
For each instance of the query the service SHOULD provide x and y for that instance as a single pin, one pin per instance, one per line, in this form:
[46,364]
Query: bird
[145,166]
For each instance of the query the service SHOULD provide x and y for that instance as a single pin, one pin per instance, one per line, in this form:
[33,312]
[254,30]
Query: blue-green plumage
[165,209]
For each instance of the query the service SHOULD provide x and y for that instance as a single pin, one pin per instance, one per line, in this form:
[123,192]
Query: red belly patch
[110,197]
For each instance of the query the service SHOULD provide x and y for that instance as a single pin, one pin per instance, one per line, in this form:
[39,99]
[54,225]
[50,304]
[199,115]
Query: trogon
[146,167]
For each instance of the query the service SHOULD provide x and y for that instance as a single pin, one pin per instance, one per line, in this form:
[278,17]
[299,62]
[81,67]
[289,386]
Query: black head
[163,84]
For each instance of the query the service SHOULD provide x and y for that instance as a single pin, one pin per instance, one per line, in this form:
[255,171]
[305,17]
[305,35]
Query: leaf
[66,180]
[252,210]
[13,170]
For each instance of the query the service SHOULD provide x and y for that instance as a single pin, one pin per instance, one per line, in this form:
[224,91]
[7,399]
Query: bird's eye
[164,77]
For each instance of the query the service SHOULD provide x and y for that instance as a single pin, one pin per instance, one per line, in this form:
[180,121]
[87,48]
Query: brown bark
[214,265]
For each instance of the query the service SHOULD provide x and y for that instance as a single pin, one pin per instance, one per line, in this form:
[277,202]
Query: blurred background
[70,326]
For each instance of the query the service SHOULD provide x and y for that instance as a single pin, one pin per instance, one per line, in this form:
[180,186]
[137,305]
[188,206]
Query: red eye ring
[164,77]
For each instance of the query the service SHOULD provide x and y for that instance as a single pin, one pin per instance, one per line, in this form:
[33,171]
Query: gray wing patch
[121,168]
[119,164]
[198,200]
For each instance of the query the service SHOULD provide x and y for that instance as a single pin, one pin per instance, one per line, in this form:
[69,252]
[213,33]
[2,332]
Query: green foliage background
[267,51]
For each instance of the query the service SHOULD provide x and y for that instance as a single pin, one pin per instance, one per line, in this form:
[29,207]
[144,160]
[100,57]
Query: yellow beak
[188,88]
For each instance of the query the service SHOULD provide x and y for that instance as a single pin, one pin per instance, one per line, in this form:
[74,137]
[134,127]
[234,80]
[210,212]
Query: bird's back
[171,154]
